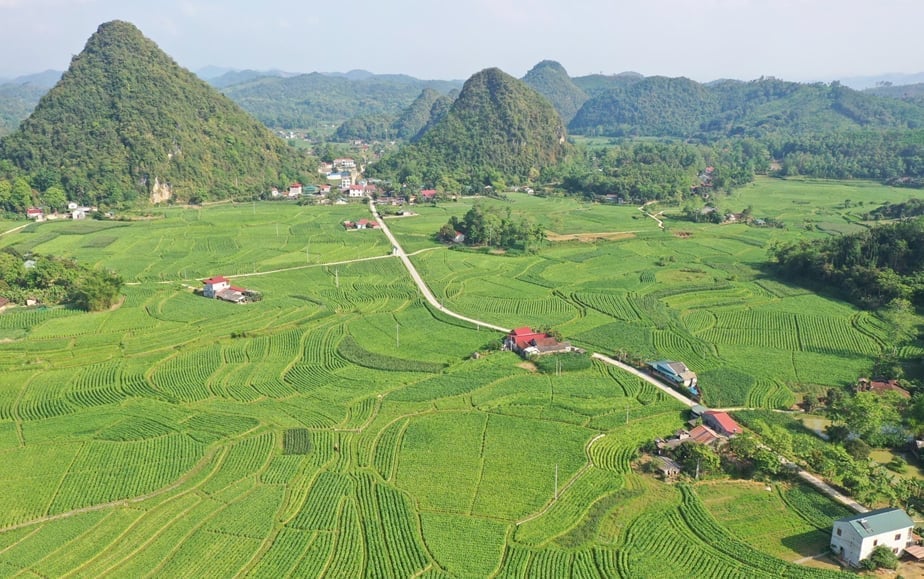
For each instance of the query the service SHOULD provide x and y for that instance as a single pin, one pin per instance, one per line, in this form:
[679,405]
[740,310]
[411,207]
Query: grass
[341,427]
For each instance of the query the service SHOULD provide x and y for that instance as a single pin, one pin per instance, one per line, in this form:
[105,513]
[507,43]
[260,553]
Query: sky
[799,40]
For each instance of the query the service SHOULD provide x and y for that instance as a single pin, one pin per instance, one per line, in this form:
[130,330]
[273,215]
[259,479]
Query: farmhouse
[721,422]
[35,213]
[676,372]
[4,303]
[854,538]
[295,189]
[219,287]
[528,342]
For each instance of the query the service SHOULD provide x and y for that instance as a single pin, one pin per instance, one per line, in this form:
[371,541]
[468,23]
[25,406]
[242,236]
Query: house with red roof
[528,342]
[295,189]
[721,422]
[220,288]
[215,284]
[428,194]
[35,213]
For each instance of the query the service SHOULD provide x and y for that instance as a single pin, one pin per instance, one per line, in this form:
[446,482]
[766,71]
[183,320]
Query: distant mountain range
[362,104]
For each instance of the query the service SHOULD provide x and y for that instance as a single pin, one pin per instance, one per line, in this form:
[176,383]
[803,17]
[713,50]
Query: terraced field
[341,427]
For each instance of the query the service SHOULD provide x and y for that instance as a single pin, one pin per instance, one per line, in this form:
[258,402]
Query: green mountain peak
[126,121]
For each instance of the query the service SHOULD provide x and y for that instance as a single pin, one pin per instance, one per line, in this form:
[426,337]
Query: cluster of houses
[74,211]
[219,287]
[528,342]
[716,428]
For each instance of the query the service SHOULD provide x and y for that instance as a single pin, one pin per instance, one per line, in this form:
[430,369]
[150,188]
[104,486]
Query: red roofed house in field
[213,285]
[219,287]
[428,194]
[721,422]
[295,189]
[526,342]
[34,213]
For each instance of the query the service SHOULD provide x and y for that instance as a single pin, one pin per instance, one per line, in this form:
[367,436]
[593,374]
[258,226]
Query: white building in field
[854,538]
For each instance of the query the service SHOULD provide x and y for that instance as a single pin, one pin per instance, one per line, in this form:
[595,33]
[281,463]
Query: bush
[881,558]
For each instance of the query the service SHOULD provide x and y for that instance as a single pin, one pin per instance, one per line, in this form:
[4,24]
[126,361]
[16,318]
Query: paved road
[646,377]
[424,289]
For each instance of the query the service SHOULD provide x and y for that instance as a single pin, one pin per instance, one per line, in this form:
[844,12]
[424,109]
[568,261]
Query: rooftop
[879,521]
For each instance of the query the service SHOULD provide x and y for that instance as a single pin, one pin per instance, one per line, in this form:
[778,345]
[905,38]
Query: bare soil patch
[590,237]
[528,366]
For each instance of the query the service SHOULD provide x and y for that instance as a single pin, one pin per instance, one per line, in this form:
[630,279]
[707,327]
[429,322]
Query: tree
[20,196]
[54,198]
[882,557]
[698,458]
[96,291]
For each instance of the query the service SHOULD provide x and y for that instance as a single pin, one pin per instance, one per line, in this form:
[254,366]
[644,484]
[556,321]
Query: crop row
[242,460]
[742,319]
[349,552]
[386,448]
[353,352]
[813,507]
[570,508]
[826,334]
[772,339]
[392,544]
[709,531]
[769,394]
[610,453]
[135,428]
[184,376]
[615,305]
[296,441]
[295,554]
[319,510]
[105,471]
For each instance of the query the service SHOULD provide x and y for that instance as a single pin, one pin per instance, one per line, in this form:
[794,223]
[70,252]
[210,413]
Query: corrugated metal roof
[879,521]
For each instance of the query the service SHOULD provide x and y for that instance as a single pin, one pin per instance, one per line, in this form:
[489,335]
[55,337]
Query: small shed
[668,467]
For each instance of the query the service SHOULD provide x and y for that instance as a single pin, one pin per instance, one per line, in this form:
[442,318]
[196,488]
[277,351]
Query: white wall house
[854,538]
[214,285]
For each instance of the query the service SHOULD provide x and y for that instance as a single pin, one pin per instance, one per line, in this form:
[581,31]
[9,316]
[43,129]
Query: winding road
[806,476]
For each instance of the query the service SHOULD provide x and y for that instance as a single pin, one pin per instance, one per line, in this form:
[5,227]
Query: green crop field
[341,426]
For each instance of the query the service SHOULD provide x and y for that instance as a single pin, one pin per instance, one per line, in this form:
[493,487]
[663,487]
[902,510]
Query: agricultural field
[342,427]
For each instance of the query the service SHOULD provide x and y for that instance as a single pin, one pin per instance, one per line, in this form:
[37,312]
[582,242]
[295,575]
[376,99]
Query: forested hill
[312,100]
[125,117]
[679,107]
[551,80]
[498,130]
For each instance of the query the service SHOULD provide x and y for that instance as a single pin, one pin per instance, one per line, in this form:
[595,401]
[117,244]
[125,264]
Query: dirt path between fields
[15,229]
[590,237]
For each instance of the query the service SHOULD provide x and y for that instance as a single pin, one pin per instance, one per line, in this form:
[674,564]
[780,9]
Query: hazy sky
[452,39]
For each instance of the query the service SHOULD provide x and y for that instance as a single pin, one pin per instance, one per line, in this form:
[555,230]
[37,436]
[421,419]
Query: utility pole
[337,278]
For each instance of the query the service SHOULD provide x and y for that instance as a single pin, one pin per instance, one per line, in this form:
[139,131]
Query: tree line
[880,266]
